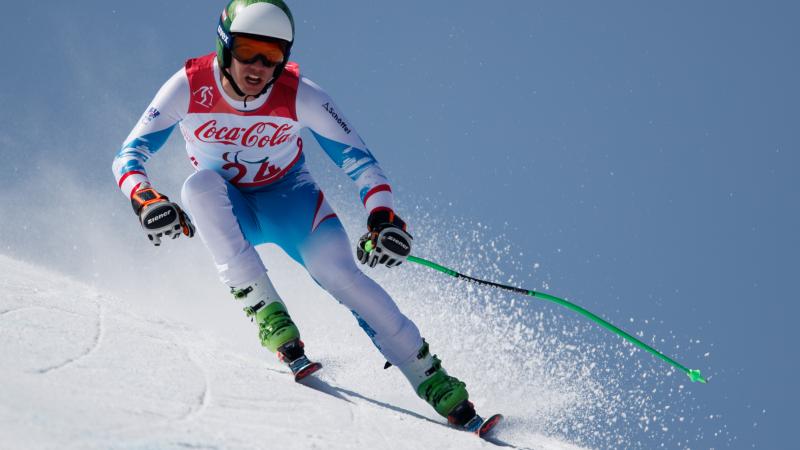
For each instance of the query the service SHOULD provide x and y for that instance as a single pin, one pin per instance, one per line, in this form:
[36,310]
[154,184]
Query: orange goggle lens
[248,51]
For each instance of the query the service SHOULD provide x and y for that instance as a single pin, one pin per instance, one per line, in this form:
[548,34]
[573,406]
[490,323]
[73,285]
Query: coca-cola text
[260,134]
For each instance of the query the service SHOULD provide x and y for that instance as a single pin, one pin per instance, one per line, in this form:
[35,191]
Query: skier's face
[254,61]
[251,78]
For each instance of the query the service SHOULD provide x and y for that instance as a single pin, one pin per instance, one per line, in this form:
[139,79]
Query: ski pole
[693,374]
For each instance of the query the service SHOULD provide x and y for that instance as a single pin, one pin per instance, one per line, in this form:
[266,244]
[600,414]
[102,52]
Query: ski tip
[695,376]
[488,425]
[307,370]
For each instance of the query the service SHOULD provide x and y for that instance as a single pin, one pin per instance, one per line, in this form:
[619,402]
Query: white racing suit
[251,186]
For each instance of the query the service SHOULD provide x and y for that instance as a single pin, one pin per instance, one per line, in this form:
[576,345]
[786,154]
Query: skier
[240,110]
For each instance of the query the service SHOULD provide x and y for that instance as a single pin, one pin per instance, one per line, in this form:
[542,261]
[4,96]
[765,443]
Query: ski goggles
[247,50]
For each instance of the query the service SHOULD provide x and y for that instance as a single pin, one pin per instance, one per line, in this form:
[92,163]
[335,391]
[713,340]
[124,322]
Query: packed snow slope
[85,370]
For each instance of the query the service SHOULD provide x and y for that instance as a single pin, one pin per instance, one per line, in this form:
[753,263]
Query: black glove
[159,216]
[389,242]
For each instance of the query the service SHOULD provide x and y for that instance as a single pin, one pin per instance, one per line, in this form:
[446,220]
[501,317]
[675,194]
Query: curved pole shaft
[693,374]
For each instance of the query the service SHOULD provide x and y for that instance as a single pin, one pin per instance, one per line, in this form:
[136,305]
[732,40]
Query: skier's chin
[253,92]
[250,88]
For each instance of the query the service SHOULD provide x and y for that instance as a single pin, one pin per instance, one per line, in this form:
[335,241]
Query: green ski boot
[262,303]
[275,327]
[446,394]
[276,330]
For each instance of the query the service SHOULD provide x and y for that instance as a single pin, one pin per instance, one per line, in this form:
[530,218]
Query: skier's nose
[260,66]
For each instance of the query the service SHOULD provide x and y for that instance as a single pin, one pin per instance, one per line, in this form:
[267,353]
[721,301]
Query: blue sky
[638,158]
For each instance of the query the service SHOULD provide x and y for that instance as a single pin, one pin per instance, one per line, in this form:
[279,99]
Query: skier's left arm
[337,137]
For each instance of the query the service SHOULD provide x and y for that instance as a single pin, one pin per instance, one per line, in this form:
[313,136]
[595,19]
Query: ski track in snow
[202,400]
[86,352]
[98,338]
[82,370]
[9,311]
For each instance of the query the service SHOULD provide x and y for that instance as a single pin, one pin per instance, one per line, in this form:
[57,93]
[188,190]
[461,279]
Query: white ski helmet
[265,19]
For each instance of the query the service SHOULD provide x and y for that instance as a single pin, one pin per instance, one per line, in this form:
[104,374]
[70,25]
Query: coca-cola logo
[260,134]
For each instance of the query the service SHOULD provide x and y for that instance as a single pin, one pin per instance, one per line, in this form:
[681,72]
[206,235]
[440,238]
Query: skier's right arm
[158,216]
[150,133]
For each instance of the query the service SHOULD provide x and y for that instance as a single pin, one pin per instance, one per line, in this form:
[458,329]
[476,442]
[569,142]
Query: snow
[83,369]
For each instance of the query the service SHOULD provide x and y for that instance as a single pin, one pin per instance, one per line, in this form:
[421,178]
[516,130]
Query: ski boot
[447,394]
[276,330]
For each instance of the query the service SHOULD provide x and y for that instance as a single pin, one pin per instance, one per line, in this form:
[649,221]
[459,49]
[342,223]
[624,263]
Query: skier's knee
[334,277]
[200,182]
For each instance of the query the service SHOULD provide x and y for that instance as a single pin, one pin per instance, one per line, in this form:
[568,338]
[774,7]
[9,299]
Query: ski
[303,367]
[293,355]
[482,427]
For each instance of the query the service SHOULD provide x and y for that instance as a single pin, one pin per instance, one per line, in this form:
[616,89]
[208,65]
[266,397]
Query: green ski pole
[693,374]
